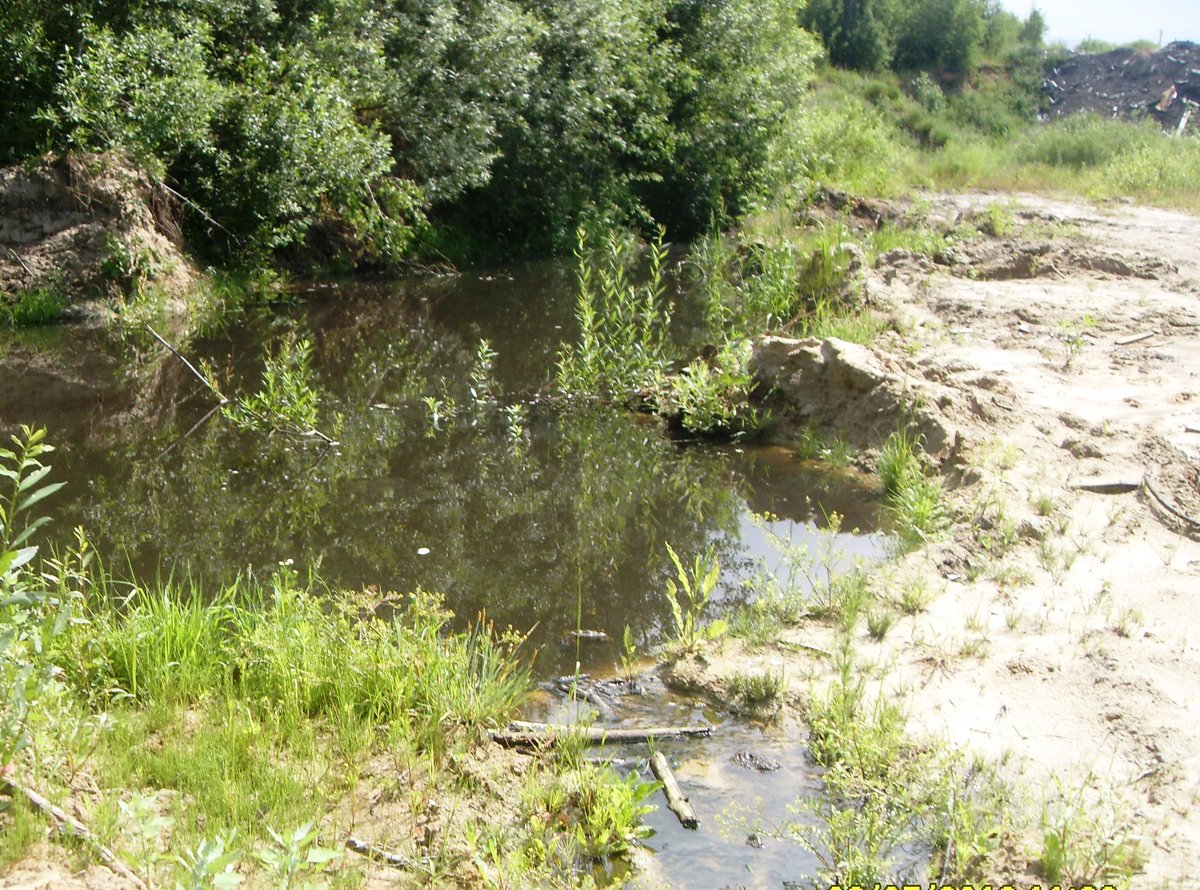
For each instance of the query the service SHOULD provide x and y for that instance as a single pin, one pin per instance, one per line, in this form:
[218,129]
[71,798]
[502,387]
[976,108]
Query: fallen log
[676,800]
[73,826]
[521,734]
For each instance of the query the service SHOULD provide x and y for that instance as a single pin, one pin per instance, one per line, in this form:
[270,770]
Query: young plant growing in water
[622,324]
[689,598]
[288,400]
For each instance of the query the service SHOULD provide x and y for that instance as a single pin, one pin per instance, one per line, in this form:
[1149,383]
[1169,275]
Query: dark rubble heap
[1126,83]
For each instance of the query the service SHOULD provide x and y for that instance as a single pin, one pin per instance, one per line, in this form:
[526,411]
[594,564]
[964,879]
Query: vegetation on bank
[374,132]
[257,720]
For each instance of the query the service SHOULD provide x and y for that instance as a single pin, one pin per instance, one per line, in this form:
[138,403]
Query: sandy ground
[1063,633]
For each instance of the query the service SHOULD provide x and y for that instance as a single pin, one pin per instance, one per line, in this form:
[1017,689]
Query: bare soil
[91,226]
[1063,634]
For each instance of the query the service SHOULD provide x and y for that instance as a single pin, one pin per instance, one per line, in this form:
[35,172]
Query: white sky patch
[1117,21]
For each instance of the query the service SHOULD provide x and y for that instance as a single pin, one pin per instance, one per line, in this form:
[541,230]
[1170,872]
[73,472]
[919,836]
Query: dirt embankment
[88,227]
[1055,376]
[1126,83]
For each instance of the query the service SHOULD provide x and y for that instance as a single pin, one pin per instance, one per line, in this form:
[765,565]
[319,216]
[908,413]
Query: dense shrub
[343,125]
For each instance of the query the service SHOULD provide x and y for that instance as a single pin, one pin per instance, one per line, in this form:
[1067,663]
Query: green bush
[1084,141]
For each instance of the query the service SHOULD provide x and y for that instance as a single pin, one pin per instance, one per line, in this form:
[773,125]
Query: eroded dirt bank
[1055,375]
[87,227]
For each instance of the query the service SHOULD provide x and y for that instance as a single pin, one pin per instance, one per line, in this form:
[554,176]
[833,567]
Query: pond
[449,474]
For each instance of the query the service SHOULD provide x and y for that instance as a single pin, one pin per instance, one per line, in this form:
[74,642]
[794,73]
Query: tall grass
[873,135]
[913,495]
[295,651]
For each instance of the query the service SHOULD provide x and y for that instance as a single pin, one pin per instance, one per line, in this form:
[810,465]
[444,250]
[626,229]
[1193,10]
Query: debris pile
[1130,84]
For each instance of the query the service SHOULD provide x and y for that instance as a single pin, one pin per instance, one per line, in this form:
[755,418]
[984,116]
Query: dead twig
[387,857]
[28,271]
[1135,338]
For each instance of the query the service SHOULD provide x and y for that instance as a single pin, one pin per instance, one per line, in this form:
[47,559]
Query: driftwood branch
[676,799]
[387,857]
[28,271]
[69,823]
[1190,524]
[1135,338]
[179,355]
[530,735]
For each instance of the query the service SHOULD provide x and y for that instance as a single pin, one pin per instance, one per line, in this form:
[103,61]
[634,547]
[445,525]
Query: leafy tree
[1033,32]
[940,35]
[852,31]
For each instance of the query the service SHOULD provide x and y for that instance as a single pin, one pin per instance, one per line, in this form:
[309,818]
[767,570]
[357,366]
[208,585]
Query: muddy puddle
[451,474]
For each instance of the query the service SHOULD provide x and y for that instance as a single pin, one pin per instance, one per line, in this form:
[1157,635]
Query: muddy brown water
[559,524]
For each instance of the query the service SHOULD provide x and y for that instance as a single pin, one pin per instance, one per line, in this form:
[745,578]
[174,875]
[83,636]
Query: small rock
[750,760]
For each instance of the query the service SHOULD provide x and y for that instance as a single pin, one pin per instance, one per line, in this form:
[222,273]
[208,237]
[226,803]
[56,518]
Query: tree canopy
[355,123]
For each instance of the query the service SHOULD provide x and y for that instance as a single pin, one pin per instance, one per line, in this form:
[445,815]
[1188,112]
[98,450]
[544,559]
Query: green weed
[914,497]
[289,398]
[688,594]
[914,596]
[879,622]
[1085,839]
[811,444]
[622,324]
[37,304]
[712,395]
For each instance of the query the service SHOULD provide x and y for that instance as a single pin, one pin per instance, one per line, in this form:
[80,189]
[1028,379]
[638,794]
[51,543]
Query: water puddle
[544,520]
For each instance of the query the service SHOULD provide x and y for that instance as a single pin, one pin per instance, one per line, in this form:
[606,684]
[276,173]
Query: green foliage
[854,33]
[211,864]
[147,92]
[940,34]
[610,811]
[293,856]
[622,323]
[914,496]
[288,399]
[1086,838]
[40,303]
[688,595]
[329,131]
[604,810]
[34,606]
[711,394]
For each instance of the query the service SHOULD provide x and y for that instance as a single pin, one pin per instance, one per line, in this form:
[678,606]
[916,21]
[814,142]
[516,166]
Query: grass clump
[913,495]
[812,444]
[38,304]
[757,692]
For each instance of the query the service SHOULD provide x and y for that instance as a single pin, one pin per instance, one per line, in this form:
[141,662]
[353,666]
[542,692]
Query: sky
[1117,21]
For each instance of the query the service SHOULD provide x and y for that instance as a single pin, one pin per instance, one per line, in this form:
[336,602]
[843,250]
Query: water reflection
[560,524]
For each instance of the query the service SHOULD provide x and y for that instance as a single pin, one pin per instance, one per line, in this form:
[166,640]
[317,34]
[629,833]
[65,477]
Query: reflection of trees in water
[577,514]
